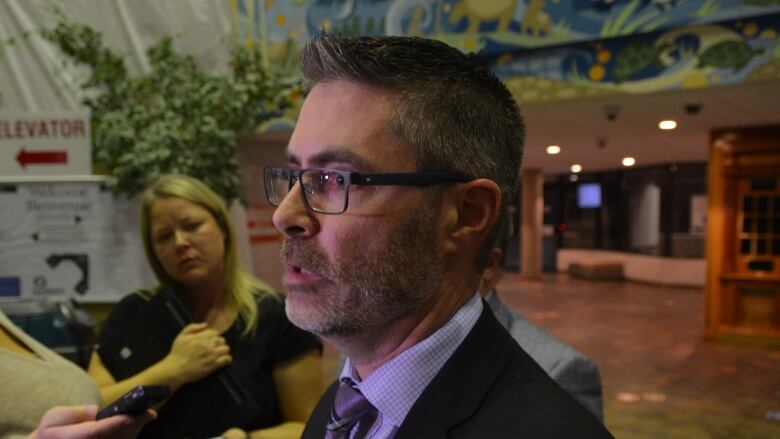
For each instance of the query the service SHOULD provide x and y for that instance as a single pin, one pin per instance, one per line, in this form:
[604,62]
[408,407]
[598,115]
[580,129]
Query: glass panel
[747,204]
[763,225]
[643,210]
[763,204]
[744,245]
[761,265]
[761,246]
[776,225]
[747,225]
[763,184]
[776,247]
[776,205]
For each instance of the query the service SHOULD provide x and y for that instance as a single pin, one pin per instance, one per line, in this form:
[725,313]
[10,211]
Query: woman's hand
[79,423]
[196,352]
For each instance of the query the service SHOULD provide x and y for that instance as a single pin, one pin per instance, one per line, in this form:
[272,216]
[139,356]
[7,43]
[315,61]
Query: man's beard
[368,286]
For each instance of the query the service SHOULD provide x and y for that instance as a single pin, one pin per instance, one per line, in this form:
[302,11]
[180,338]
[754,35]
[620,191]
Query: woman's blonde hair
[240,288]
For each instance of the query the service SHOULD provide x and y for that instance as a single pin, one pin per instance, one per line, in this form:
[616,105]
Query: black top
[135,321]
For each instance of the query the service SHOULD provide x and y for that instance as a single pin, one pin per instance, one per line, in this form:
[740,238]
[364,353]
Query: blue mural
[551,49]
[489,25]
[692,57]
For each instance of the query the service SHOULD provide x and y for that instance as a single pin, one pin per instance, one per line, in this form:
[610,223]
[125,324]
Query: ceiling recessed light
[576,168]
[667,125]
[553,149]
[628,161]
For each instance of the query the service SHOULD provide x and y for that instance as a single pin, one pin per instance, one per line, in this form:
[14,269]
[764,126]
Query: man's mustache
[304,255]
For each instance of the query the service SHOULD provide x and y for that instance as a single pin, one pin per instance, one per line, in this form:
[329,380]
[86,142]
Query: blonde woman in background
[189,243]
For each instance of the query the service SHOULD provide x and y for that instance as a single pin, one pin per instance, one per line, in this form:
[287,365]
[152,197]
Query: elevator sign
[45,144]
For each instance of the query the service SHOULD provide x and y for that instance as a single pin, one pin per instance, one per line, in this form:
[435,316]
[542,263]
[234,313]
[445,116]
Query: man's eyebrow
[291,159]
[332,156]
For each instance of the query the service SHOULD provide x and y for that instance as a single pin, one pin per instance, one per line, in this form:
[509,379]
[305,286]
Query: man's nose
[292,217]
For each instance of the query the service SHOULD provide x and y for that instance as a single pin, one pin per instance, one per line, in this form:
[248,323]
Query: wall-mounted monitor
[589,195]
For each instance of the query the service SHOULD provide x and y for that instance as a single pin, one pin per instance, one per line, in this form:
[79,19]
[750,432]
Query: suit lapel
[457,391]
[315,426]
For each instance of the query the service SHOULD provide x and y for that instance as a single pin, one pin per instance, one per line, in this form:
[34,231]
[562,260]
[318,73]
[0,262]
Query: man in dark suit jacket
[405,156]
[489,389]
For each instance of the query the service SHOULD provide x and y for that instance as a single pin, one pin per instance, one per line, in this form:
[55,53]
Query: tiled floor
[661,378]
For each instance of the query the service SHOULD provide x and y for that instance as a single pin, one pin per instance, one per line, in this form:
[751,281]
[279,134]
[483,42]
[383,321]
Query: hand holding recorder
[136,401]
[74,422]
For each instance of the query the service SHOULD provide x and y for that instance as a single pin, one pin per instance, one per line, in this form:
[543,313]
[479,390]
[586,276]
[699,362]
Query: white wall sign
[69,240]
[36,144]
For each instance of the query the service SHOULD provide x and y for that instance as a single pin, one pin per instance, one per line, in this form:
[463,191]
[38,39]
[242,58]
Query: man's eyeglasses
[327,190]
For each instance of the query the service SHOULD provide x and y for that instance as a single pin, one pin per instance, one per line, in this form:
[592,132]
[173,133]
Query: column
[531,227]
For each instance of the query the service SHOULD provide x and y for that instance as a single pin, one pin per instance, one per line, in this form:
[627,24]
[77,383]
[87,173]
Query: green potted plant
[174,118]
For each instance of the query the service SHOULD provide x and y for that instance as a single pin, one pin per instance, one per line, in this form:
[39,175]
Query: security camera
[611,111]
[692,108]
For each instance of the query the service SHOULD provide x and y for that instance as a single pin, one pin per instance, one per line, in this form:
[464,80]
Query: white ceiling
[577,125]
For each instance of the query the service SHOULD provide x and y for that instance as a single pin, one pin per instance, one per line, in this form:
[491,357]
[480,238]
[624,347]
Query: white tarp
[32,76]
[61,237]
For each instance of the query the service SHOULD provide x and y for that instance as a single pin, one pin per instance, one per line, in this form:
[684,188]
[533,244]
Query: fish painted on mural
[728,54]
[634,58]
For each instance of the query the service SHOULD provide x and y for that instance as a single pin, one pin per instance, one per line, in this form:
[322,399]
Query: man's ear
[477,206]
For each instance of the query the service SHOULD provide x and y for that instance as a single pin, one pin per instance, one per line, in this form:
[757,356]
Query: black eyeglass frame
[419,179]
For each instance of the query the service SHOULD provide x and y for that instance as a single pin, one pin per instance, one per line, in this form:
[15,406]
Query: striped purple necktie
[349,407]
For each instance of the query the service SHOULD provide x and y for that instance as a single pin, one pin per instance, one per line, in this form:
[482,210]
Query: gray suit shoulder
[570,369]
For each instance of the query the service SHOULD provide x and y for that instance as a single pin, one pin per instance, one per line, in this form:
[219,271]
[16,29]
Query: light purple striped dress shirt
[394,387]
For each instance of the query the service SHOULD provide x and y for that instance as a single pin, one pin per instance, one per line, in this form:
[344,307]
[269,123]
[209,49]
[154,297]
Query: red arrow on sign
[41,157]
